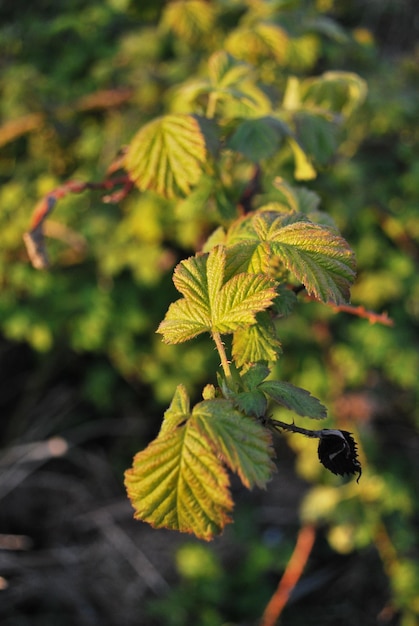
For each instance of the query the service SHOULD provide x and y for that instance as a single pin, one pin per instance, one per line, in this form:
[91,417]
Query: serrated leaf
[252,403]
[258,139]
[248,256]
[209,303]
[167,155]
[294,398]
[183,321]
[243,443]
[318,257]
[178,482]
[253,376]
[177,412]
[258,342]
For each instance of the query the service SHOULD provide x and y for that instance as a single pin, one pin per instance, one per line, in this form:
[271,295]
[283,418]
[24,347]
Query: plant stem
[291,576]
[293,428]
[221,351]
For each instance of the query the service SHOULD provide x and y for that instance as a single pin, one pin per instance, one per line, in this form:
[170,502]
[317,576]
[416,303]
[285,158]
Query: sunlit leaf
[189,19]
[304,169]
[318,257]
[177,412]
[242,442]
[178,482]
[258,342]
[261,40]
[167,155]
[209,303]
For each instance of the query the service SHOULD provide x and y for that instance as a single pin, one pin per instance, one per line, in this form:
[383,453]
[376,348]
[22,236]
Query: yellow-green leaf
[242,442]
[210,303]
[167,155]
[304,170]
[317,255]
[178,482]
[190,19]
[256,343]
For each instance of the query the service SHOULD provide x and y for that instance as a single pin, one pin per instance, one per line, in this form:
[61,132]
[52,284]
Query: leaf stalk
[225,364]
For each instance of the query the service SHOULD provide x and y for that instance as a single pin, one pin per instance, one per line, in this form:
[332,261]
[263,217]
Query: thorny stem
[221,351]
[293,428]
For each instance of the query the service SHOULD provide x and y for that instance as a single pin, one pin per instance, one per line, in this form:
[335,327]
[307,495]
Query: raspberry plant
[239,284]
[225,149]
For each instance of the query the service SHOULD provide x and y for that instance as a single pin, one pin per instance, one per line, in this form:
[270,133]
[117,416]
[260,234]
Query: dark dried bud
[338,452]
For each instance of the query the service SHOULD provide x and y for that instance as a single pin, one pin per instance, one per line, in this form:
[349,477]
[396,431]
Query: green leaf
[258,342]
[285,302]
[253,376]
[252,403]
[326,26]
[258,139]
[316,135]
[177,412]
[241,441]
[294,398]
[167,155]
[190,20]
[209,303]
[178,482]
[318,257]
[261,40]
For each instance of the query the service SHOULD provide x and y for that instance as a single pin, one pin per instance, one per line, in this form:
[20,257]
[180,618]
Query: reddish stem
[291,576]
[34,239]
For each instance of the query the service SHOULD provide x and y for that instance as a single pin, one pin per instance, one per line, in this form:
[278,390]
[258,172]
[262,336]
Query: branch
[360,311]
[291,576]
[34,238]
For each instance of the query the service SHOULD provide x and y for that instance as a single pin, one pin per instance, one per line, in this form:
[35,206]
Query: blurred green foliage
[106,296]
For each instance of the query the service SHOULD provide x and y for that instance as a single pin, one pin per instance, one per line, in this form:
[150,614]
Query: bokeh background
[84,379]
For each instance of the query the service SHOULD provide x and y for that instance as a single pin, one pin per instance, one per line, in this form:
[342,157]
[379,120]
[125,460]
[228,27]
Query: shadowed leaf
[294,398]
